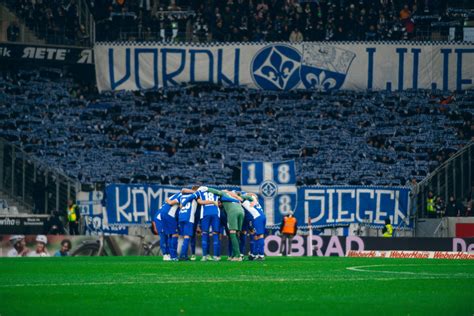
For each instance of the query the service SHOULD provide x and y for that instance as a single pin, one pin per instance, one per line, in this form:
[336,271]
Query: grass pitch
[277,286]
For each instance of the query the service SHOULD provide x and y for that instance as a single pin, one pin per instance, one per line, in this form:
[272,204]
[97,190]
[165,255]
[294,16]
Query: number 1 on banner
[252,179]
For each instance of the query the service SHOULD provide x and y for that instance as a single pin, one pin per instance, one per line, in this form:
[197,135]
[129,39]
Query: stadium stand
[59,21]
[201,133]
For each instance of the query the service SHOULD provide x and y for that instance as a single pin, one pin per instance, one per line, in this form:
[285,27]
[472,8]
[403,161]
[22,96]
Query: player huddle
[213,212]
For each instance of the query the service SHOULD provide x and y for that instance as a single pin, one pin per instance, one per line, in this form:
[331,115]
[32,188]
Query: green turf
[277,286]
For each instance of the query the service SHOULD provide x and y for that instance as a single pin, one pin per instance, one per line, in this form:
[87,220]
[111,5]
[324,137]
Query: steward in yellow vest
[387,230]
[430,205]
[73,216]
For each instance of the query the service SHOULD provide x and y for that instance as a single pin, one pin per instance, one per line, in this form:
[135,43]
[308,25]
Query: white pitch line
[240,280]
[447,275]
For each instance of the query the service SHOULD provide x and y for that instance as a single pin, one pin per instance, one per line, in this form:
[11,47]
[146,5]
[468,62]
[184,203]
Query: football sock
[174,247]
[184,248]
[235,245]
[216,243]
[205,244]
[242,242]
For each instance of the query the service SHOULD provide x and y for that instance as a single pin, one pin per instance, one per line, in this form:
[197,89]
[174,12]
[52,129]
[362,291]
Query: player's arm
[223,195]
[216,192]
[233,195]
[206,202]
[247,197]
[171,202]
[187,191]
[190,198]
[202,201]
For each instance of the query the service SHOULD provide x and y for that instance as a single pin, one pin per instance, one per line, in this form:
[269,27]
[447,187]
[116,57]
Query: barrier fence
[453,178]
[32,184]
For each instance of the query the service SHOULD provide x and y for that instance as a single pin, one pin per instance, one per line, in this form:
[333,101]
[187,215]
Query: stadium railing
[32,183]
[454,177]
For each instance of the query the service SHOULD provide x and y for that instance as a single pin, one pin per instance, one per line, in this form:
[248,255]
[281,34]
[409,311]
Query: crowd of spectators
[202,133]
[238,20]
[267,20]
[291,20]
[452,208]
[55,21]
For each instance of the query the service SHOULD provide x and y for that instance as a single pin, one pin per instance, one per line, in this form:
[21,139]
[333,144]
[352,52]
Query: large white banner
[283,66]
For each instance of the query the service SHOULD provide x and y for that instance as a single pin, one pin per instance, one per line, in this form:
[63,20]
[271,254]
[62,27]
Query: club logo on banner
[275,182]
[282,67]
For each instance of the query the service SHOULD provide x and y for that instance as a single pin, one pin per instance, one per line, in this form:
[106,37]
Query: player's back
[170,209]
[209,209]
[187,210]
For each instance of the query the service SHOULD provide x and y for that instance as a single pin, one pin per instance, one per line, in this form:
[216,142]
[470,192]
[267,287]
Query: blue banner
[323,206]
[275,182]
[134,204]
[337,205]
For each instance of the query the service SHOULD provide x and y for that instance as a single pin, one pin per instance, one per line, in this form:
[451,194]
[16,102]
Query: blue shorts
[246,225]
[186,228]
[170,225]
[211,221]
[158,225]
[259,224]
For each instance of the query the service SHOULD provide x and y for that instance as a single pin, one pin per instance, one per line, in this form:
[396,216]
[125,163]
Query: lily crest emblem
[320,67]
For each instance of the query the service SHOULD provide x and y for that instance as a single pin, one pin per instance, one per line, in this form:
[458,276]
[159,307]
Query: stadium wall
[321,66]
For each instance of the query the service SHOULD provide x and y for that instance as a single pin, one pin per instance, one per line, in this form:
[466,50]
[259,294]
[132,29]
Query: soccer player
[246,228]
[186,223]
[210,219]
[235,217]
[244,232]
[157,227]
[170,224]
[196,231]
[234,212]
[225,229]
[259,222]
[187,218]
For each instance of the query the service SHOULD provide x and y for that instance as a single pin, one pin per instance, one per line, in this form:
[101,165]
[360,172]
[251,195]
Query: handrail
[444,164]
[440,227]
[38,161]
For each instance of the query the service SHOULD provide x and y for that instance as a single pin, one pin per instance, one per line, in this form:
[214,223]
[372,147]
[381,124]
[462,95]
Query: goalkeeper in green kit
[235,215]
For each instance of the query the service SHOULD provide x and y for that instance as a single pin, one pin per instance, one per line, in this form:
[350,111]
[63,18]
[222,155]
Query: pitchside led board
[275,182]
